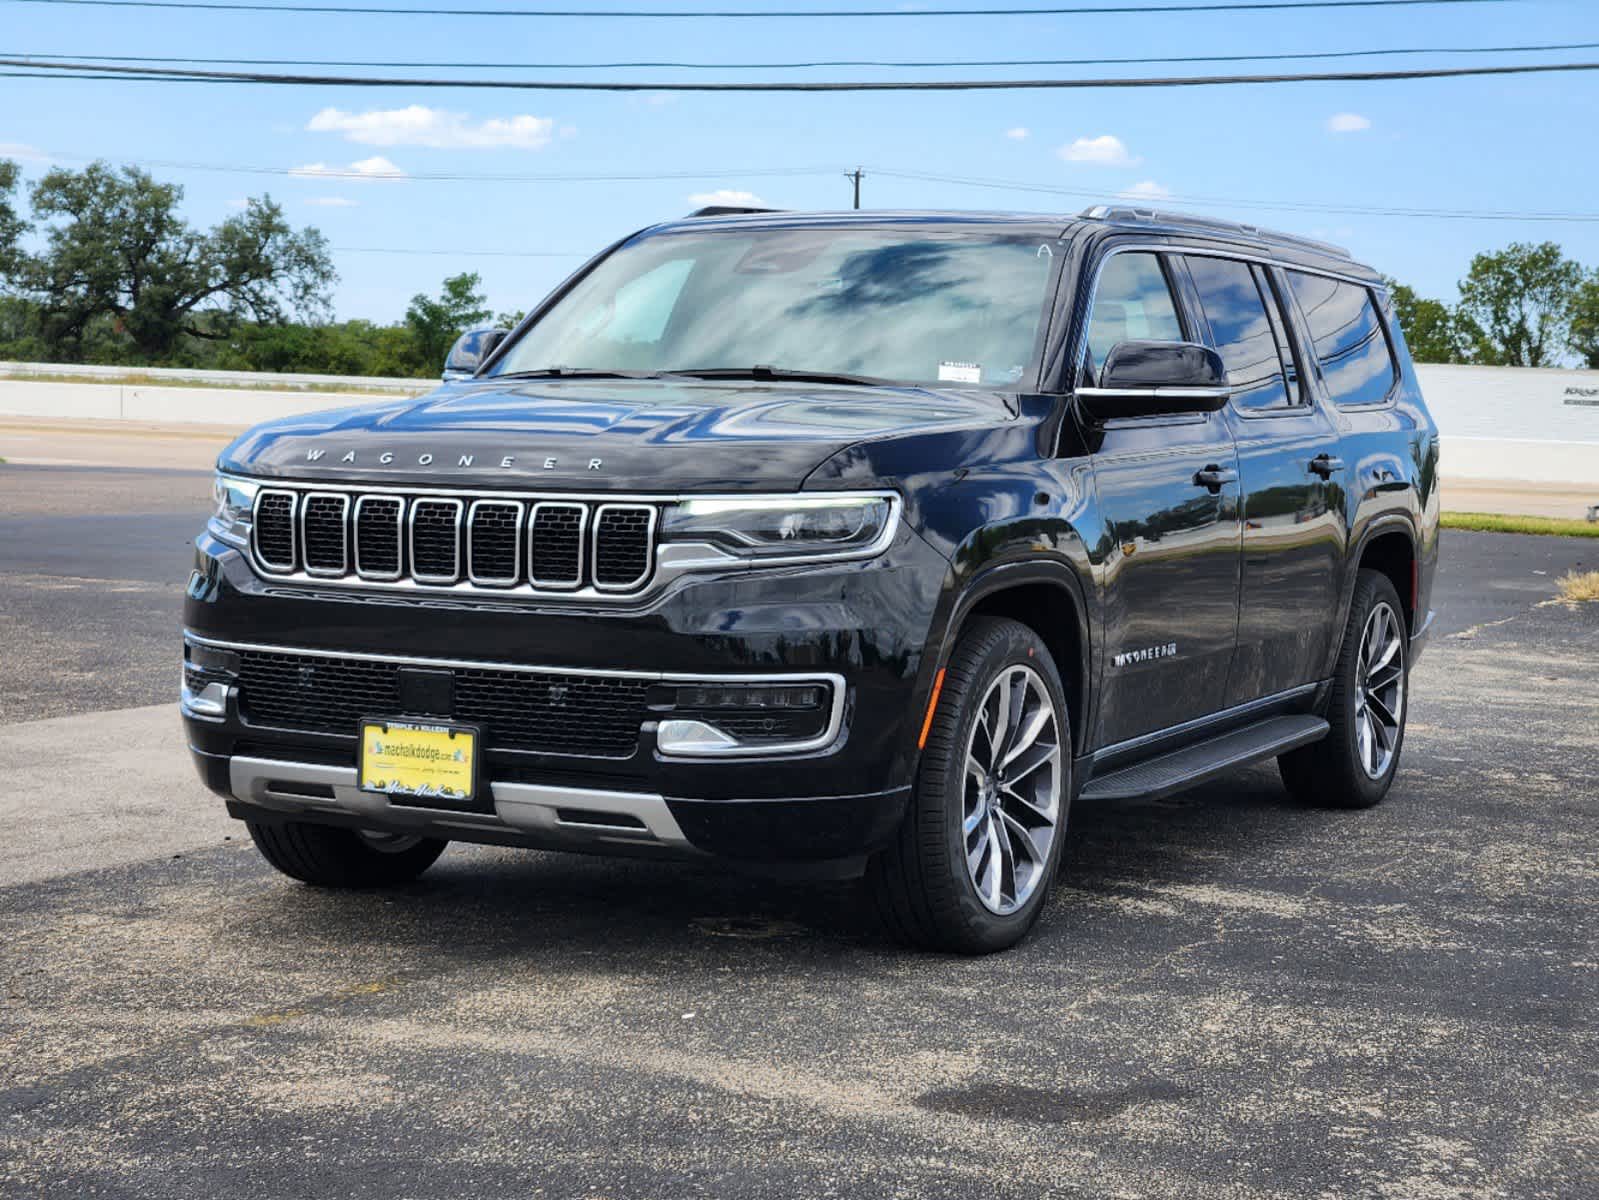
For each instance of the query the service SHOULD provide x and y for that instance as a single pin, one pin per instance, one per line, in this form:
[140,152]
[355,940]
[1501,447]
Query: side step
[1193,764]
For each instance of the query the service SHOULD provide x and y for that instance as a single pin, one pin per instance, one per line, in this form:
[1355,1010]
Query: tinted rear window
[1348,338]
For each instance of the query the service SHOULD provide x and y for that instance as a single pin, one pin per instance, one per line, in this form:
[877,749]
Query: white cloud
[1018,134]
[332,202]
[1146,189]
[1347,123]
[375,168]
[418,125]
[23,152]
[1107,150]
[727,196]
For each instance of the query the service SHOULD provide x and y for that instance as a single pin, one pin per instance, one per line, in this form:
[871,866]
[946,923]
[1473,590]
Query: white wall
[1500,423]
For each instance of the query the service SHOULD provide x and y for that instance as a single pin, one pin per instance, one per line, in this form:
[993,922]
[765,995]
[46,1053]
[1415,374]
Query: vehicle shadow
[484,902]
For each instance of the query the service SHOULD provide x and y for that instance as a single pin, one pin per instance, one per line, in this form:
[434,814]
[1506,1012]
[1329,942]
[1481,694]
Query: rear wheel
[974,861]
[1354,765]
[344,858]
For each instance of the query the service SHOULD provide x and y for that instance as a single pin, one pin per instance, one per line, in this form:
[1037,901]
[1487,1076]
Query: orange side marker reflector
[932,705]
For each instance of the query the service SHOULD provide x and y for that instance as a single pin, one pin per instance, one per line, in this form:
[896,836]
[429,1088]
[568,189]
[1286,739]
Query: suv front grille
[574,713]
[544,544]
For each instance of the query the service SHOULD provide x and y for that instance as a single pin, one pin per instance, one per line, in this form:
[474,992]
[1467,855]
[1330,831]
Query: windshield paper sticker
[960,372]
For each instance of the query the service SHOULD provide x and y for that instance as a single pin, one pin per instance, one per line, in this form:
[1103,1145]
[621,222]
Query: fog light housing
[717,718]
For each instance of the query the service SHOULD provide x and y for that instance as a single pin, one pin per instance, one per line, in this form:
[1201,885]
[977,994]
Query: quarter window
[1133,302]
[1241,331]
[1355,358]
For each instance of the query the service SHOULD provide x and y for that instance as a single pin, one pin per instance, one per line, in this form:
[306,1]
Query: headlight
[781,527]
[235,502]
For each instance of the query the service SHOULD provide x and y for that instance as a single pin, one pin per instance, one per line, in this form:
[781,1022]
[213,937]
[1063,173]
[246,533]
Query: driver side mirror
[1146,379]
[470,351]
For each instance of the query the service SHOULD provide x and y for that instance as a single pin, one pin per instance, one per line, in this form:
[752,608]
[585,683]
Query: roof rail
[728,210]
[1123,215]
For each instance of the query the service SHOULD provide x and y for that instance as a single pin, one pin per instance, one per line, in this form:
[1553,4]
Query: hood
[602,435]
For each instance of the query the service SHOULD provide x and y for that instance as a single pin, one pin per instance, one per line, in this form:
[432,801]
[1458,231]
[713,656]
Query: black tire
[342,858]
[921,882]
[1335,772]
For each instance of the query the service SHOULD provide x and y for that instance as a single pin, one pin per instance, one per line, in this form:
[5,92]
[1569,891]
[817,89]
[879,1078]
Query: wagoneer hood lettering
[621,435]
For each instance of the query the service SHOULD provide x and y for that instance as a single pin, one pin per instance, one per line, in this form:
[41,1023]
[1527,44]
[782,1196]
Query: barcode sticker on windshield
[960,372]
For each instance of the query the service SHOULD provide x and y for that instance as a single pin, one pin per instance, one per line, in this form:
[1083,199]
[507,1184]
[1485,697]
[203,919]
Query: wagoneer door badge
[1148,653]
[426,459]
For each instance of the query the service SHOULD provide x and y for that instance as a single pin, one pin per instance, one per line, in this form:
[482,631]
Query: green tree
[435,324]
[1431,330]
[1516,304]
[12,226]
[117,248]
[1585,322]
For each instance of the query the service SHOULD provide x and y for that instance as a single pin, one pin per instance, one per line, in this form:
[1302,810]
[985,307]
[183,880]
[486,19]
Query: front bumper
[860,624]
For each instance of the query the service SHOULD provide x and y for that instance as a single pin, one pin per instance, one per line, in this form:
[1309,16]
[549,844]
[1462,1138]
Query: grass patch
[1579,585]
[1493,523]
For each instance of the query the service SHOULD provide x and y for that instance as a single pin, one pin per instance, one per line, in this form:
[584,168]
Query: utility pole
[855,177]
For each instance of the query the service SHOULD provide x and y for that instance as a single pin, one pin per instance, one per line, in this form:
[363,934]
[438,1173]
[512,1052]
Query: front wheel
[974,861]
[1354,765]
[344,858]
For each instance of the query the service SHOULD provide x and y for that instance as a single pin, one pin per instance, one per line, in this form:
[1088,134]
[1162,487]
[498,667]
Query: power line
[472,253]
[83,70]
[747,14]
[807,65]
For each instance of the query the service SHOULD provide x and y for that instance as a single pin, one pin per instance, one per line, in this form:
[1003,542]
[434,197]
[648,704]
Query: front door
[1168,491]
[1293,525]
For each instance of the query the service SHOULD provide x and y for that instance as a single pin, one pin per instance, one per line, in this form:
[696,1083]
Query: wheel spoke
[999,727]
[1364,737]
[1044,814]
[1384,713]
[1020,835]
[1024,765]
[1027,732]
[1383,659]
[1380,739]
[995,874]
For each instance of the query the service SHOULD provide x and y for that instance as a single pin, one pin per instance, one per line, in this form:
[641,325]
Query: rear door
[1292,498]
[1168,491]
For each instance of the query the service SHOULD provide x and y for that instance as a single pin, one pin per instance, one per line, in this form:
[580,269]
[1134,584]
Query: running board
[1194,764]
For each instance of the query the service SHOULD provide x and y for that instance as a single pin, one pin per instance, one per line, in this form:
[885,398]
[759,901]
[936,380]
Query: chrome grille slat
[494,542]
[555,544]
[379,532]
[324,536]
[586,547]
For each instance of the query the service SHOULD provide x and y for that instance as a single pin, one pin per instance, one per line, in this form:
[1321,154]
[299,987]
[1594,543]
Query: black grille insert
[274,530]
[555,713]
[436,540]
[555,555]
[323,532]
[377,536]
[494,542]
[622,544]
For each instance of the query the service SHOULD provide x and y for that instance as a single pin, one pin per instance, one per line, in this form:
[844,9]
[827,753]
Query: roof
[1286,246]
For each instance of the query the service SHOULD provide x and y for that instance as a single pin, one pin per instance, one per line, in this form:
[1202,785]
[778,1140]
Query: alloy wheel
[1011,812]
[1380,690]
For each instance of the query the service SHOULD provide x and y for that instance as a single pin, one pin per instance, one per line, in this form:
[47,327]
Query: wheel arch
[1392,548]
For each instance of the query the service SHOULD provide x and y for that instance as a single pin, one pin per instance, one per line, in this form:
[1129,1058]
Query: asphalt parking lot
[1230,995]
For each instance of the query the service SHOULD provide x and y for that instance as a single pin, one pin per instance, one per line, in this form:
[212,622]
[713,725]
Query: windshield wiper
[575,373]
[789,373]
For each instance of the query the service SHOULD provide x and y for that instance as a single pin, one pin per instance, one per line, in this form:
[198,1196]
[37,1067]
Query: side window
[1355,357]
[1133,302]
[1242,331]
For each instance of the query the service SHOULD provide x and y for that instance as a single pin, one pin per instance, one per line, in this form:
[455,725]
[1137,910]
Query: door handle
[1325,465]
[1214,477]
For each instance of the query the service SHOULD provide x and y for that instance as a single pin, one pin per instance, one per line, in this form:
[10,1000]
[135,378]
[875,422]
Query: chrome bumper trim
[518,807]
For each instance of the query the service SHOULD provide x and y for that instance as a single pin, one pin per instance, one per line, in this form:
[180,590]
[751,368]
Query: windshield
[959,308]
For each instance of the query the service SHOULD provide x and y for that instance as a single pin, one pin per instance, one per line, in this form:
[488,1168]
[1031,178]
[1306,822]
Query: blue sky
[1521,144]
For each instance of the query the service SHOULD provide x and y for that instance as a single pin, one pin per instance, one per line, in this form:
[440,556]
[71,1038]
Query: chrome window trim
[344,536]
[576,582]
[493,581]
[410,540]
[399,539]
[638,581]
[827,737]
[294,532]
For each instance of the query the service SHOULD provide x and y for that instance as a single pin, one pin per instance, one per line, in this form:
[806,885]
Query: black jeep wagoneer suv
[871,539]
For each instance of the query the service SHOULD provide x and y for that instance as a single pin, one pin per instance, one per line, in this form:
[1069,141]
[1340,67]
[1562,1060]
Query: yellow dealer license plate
[416,761]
